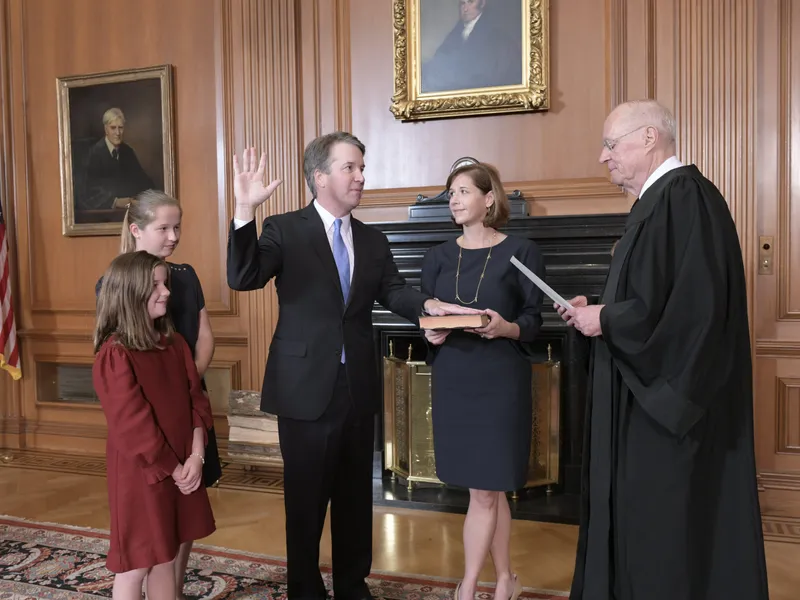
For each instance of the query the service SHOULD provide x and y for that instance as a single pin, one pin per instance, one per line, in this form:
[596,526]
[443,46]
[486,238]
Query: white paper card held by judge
[540,284]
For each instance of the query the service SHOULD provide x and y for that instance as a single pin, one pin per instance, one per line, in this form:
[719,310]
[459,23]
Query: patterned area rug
[58,562]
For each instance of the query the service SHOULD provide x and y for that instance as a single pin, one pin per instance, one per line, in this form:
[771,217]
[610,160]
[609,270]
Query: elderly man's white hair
[112,114]
[649,112]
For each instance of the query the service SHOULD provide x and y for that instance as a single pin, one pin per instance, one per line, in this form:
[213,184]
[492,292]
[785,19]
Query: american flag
[9,350]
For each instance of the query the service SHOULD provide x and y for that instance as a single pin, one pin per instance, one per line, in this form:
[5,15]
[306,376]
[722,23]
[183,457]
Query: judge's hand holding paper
[575,312]
[582,316]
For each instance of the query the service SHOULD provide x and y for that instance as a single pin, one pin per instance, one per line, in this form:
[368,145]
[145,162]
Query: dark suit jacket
[313,322]
[108,178]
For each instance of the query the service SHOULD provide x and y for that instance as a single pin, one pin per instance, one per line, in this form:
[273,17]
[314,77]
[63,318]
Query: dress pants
[329,459]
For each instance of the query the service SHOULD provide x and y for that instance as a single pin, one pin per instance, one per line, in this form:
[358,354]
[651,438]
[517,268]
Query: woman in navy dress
[153,223]
[481,378]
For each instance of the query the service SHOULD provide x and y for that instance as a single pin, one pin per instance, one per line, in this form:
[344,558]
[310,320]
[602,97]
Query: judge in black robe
[669,501]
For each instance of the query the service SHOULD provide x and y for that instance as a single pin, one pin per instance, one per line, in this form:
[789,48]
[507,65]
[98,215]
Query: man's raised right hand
[248,184]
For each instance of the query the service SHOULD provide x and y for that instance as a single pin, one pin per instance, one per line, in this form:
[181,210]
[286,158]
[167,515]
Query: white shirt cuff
[238,223]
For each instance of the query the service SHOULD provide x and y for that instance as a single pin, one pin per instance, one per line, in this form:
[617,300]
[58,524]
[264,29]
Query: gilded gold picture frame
[115,132]
[506,68]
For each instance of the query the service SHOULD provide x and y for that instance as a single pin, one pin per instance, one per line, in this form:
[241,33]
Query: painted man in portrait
[113,173]
[482,50]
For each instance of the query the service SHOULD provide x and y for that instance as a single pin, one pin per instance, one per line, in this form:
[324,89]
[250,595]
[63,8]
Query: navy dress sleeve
[200,299]
[430,272]
[185,304]
[529,318]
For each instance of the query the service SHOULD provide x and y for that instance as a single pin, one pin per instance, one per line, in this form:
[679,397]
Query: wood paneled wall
[276,74]
[55,274]
[777,314]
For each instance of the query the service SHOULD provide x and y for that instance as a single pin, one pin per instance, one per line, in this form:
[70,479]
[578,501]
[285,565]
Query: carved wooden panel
[788,416]
[715,104]
[235,84]
[777,408]
[789,164]
[52,280]
[776,147]
[401,155]
[276,74]
[262,111]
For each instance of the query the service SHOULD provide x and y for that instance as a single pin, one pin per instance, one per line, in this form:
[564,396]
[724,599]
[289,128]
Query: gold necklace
[458,272]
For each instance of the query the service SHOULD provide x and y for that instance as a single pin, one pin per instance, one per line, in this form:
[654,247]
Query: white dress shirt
[468,27]
[328,223]
[668,165]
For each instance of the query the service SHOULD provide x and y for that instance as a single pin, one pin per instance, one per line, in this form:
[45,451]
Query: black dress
[481,389]
[186,300]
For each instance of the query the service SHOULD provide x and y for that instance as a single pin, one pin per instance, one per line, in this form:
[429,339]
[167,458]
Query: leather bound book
[454,322]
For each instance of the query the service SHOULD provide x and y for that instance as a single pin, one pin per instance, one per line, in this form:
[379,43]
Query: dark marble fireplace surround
[577,251]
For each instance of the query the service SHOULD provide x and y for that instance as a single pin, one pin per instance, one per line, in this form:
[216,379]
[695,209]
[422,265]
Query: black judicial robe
[670,509]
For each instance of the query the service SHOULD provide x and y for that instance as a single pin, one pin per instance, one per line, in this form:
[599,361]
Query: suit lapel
[319,242]
[360,252]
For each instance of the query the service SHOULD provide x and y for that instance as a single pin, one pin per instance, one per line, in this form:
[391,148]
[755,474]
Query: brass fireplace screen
[408,429]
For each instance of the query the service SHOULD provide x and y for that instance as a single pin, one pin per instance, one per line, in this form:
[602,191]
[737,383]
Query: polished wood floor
[405,541]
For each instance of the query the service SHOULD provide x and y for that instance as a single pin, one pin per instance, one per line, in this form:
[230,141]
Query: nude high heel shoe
[517,588]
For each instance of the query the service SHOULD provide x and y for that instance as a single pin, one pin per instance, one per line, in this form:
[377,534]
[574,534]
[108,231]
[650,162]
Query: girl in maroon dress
[158,418]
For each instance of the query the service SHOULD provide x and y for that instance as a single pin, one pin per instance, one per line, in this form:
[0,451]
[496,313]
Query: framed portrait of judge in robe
[116,140]
[457,58]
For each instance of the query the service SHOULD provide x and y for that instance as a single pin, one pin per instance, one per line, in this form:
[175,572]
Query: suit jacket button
[338,353]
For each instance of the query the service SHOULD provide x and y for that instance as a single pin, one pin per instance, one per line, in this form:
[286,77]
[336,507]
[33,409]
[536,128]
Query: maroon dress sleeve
[132,427]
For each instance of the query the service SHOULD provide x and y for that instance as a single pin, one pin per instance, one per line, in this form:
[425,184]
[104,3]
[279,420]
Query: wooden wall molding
[774,146]
[651,46]
[259,47]
[630,28]
[781,529]
[571,189]
[344,110]
[715,107]
[616,63]
[787,430]
[324,51]
[81,335]
[785,212]
[234,369]
[225,137]
[12,432]
[779,481]
[73,430]
[13,425]
[10,390]
[22,138]
[15,136]
[777,349]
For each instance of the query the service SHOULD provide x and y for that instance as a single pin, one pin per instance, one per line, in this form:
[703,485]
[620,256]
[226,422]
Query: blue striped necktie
[342,262]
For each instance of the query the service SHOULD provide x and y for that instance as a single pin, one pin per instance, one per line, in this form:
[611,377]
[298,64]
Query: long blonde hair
[142,211]
[122,303]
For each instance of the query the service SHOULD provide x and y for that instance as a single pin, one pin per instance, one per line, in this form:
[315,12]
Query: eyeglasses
[610,144]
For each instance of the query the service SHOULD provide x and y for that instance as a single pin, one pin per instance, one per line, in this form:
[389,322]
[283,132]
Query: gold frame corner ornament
[533,95]
[164,73]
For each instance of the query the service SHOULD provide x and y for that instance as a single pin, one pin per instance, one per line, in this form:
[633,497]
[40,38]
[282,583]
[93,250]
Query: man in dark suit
[322,380]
